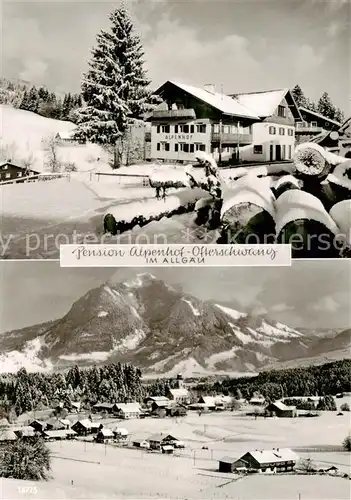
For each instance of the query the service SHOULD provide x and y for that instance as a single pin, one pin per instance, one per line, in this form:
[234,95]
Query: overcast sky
[243,45]
[311,294]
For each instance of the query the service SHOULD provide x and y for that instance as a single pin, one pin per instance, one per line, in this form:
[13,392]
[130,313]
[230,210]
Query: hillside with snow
[147,322]
[24,133]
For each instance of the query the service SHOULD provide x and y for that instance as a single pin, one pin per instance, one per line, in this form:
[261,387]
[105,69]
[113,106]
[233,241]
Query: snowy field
[99,471]
[22,134]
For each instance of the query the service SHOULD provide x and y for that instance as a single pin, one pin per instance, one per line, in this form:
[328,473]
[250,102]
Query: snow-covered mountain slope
[24,133]
[158,328]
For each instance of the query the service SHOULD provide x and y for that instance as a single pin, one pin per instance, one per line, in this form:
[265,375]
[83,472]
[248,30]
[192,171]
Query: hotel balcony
[307,128]
[232,137]
[172,114]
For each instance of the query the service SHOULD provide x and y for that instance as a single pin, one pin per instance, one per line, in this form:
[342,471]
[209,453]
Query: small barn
[140,443]
[257,401]
[6,436]
[128,410]
[25,432]
[54,424]
[230,464]
[167,449]
[120,433]
[58,435]
[104,435]
[4,423]
[104,407]
[157,441]
[85,427]
[279,409]
[38,426]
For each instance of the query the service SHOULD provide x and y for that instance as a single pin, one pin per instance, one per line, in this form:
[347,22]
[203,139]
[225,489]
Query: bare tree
[50,145]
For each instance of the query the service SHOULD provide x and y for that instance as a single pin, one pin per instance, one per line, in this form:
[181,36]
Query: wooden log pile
[309,208]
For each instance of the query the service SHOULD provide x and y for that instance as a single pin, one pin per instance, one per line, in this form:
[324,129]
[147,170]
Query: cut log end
[247,223]
[309,239]
[309,163]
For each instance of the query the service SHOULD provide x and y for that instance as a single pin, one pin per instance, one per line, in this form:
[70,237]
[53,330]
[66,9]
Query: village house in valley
[262,461]
[279,409]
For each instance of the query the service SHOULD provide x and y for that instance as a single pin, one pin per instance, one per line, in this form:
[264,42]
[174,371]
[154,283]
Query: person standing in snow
[212,184]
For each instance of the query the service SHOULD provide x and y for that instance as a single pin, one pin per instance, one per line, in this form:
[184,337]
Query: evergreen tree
[115,89]
[25,101]
[299,96]
[326,107]
[25,459]
[339,115]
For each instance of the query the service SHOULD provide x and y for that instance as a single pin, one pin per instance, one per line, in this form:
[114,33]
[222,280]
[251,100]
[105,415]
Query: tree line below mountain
[328,379]
[22,391]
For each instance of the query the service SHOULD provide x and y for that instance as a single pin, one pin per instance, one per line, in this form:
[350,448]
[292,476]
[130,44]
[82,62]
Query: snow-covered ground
[22,134]
[87,470]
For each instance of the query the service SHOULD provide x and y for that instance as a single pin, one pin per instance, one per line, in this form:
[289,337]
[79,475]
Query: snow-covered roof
[158,398]
[58,433]
[178,393]
[85,422]
[7,435]
[318,115]
[66,134]
[121,430]
[281,406]
[263,104]
[278,455]
[222,102]
[4,422]
[128,407]
[106,432]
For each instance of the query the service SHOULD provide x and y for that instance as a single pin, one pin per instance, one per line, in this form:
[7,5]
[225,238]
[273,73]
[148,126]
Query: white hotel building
[252,127]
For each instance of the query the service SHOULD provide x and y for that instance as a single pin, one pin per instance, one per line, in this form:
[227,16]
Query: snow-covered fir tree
[115,89]
[299,96]
[326,107]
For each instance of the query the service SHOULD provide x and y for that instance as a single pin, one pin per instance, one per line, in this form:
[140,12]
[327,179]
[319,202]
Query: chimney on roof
[210,87]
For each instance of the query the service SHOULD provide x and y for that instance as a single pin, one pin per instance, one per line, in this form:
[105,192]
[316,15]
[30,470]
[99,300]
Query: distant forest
[22,391]
[40,100]
[328,379]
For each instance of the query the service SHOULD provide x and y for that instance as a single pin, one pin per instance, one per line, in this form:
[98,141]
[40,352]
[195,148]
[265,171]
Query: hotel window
[313,124]
[290,131]
[158,146]
[176,129]
[201,128]
[282,111]
[289,152]
[164,146]
[176,147]
[191,148]
[216,128]
[158,129]
[258,149]
[283,152]
[19,174]
[184,128]
[272,130]
[281,131]
[8,176]
[165,129]
[192,129]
